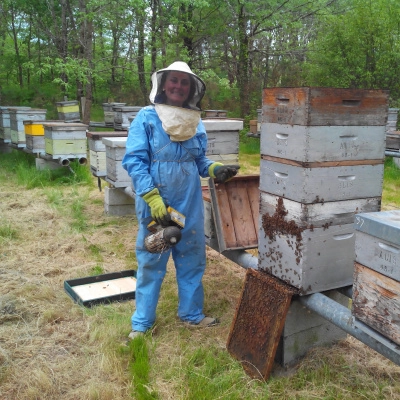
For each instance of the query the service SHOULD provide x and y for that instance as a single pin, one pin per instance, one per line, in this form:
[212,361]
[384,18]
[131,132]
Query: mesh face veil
[197,86]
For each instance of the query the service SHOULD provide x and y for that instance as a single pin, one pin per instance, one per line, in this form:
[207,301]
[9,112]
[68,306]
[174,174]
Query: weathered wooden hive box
[223,140]
[68,111]
[97,150]
[316,158]
[109,113]
[121,121]
[65,140]
[34,134]
[376,289]
[115,151]
[231,213]
[17,118]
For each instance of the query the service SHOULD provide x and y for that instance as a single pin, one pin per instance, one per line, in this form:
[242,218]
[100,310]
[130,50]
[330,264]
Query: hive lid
[223,124]
[384,225]
[115,141]
[101,135]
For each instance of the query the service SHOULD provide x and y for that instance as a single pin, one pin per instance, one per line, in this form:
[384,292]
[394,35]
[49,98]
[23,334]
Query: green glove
[213,167]
[157,207]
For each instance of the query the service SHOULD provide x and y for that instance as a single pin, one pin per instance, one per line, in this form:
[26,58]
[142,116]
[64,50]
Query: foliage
[357,49]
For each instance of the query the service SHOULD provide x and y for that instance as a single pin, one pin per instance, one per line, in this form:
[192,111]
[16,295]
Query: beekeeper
[165,154]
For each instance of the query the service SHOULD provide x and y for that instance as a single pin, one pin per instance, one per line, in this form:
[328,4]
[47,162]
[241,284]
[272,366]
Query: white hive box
[65,139]
[122,114]
[222,141]
[321,184]
[5,129]
[223,135]
[322,143]
[97,150]
[376,289]
[109,114]
[378,242]
[17,118]
[115,151]
[309,246]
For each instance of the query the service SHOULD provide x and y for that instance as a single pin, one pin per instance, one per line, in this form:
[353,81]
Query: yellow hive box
[36,128]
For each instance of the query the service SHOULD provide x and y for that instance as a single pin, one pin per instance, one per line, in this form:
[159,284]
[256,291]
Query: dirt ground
[51,348]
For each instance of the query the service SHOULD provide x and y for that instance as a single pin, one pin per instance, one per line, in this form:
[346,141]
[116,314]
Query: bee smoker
[163,238]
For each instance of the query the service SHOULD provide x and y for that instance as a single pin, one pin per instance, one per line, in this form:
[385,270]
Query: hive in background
[68,111]
[121,117]
[17,118]
[97,150]
[109,113]
[5,129]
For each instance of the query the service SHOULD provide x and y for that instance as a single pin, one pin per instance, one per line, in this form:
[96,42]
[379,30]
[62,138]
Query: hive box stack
[109,113]
[17,118]
[122,114]
[65,141]
[115,151]
[322,155]
[5,129]
[97,150]
[376,290]
[68,111]
[223,140]
[34,134]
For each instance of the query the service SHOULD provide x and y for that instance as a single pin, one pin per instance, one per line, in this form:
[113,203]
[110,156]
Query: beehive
[97,150]
[17,118]
[223,141]
[122,114]
[109,113]
[65,140]
[322,153]
[34,134]
[5,129]
[376,291]
[115,151]
[68,111]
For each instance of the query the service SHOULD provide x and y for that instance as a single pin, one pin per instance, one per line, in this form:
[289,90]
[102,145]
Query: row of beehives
[322,164]
[27,129]
[119,115]
[106,149]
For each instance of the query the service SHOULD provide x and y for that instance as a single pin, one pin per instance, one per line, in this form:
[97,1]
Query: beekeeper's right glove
[157,207]
[223,173]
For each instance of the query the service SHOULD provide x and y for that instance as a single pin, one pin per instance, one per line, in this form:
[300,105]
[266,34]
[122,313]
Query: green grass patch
[23,165]
[391,184]
[139,367]
[8,232]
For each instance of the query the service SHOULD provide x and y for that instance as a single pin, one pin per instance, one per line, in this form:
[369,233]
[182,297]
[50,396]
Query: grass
[84,349]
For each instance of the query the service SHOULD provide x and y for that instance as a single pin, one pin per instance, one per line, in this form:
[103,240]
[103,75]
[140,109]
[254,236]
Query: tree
[358,49]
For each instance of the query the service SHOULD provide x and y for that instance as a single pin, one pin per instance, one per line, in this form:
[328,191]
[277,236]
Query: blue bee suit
[154,161]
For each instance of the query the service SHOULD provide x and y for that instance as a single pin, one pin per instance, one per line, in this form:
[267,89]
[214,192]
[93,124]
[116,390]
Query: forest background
[106,51]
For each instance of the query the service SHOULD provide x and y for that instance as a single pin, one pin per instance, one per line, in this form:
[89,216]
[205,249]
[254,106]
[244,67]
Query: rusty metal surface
[259,321]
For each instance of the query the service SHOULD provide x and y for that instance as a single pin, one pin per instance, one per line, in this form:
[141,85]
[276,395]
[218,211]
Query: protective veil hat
[197,89]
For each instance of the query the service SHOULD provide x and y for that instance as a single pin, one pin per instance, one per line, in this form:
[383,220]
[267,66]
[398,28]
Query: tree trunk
[243,64]
[140,58]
